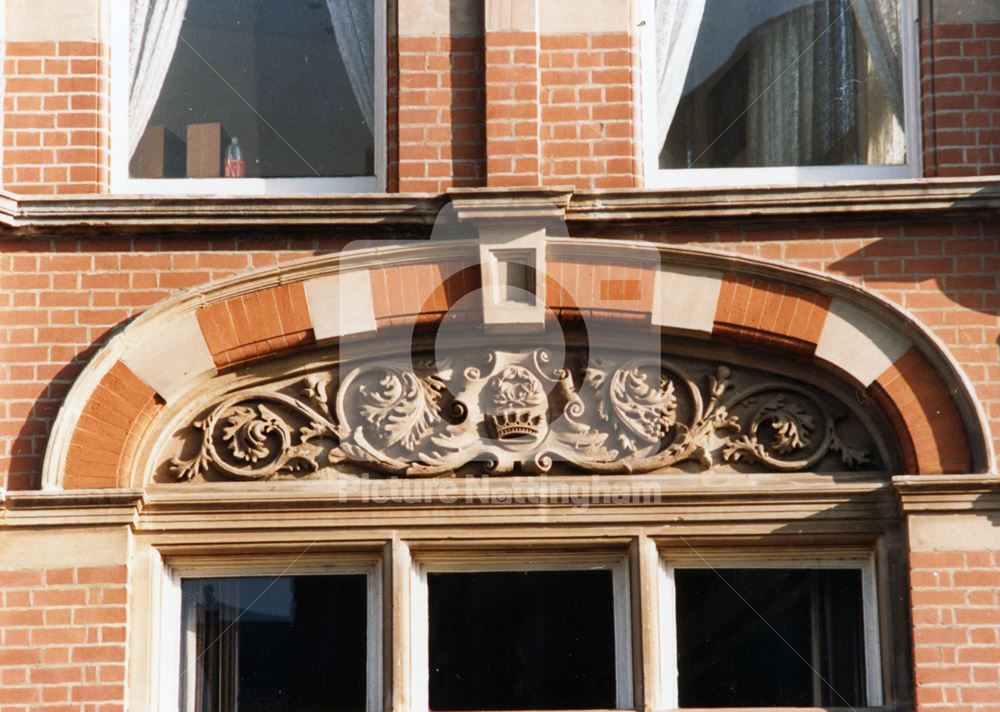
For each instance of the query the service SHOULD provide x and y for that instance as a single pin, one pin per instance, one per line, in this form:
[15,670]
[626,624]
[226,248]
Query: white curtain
[677,23]
[879,22]
[882,97]
[354,27]
[154,27]
[802,80]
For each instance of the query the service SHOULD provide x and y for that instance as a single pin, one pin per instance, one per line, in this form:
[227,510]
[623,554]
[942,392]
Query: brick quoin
[63,638]
[56,122]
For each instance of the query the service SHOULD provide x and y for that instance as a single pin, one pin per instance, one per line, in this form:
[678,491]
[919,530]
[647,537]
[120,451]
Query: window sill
[111,215]
[245,186]
[783,175]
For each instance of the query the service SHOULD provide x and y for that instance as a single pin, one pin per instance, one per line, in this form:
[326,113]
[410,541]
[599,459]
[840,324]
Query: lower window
[522,636]
[274,643]
[779,636]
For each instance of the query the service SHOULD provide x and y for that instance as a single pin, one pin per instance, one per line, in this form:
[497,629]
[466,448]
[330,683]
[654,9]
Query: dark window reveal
[522,640]
[289,80]
[265,644]
[770,638]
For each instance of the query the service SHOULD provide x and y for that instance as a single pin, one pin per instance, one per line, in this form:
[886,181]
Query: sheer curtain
[154,28]
[803,81]
[354,27]
[822,79]
[883,80]
[834,105]
[677,23]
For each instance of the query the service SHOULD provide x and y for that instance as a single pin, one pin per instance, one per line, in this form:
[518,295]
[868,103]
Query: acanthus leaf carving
[512,411]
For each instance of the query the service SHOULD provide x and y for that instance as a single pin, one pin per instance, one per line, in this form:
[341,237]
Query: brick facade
[960,98]
[436,119]
[64,638]
[487,103]
[588,103]
[956,629]
[56,137]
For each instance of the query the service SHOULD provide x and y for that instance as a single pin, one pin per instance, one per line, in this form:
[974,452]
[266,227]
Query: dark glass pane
[781,83]
[522,640]
[770,637]
[270,645]
[272,74]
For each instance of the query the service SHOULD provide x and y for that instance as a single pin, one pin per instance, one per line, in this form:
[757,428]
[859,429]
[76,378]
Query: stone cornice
[108,215]
[853,200]
[932,494]
[768,501]
[70,508]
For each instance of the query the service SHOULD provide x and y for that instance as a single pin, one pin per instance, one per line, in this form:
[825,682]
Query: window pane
[291,643]
[293,84]
[522,640]
[779,83]
[770,637]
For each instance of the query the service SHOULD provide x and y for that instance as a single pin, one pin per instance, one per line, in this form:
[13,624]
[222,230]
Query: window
[773,91]
[776,634]
[250,96]
[272,634]
[291,642]
[523,633]
[498,629]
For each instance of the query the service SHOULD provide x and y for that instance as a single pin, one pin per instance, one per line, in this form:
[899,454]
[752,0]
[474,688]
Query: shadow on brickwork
[929,269]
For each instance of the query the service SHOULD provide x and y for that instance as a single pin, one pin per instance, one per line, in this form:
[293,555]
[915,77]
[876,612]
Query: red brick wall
[588,102]
[60,298]
[561,110]
[512,128]
[960,99]
[55,134]
[956,630]
[63,639]
[436,114]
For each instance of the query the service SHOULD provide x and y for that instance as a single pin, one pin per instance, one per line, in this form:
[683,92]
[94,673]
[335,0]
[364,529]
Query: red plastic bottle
[235,167]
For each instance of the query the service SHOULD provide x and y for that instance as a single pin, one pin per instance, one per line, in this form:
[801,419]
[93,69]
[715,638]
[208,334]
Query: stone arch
[819,321]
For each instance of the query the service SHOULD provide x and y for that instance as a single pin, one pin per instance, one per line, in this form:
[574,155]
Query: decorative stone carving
[516,411]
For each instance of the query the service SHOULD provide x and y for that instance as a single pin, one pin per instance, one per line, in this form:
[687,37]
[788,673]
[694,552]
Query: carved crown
[517,405]
[515,424]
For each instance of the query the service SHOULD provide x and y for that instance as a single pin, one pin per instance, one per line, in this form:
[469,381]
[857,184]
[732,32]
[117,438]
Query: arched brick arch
[193,337]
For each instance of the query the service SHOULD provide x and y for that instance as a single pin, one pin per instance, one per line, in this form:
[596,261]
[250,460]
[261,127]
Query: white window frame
[655,177]
[419,647]
[170,614]
[668,611]
[122,183]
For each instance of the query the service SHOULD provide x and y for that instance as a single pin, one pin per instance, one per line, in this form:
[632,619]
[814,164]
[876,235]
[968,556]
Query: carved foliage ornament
[516,411]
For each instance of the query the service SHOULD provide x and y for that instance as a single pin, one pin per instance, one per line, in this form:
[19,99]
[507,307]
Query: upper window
[780,90]
[250,96]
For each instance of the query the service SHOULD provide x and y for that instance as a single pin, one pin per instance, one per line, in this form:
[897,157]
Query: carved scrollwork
[514,411]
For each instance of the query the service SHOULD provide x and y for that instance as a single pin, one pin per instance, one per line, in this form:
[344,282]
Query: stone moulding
[515,411]
[24,215]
